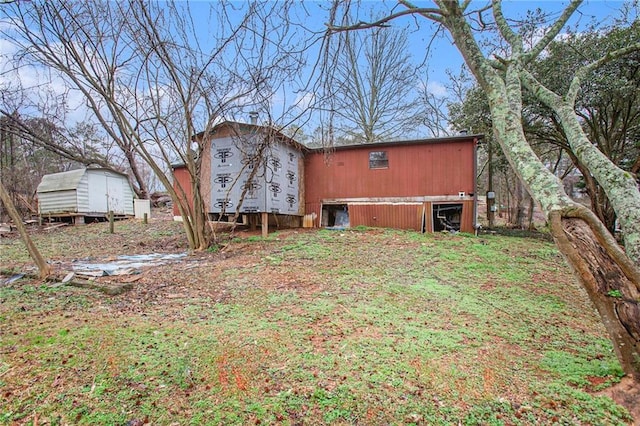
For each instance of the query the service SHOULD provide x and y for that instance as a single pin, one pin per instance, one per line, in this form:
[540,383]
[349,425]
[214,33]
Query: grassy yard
[364,326]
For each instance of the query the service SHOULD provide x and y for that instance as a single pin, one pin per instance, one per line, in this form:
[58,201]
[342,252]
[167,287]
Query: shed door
[97,192]
[115,195]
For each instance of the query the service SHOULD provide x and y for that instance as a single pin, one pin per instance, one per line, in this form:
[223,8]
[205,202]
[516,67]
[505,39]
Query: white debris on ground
[125,264]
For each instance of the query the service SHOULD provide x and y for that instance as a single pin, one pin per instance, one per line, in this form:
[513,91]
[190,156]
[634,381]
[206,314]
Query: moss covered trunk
[619,186]
[609,277]
[612,291]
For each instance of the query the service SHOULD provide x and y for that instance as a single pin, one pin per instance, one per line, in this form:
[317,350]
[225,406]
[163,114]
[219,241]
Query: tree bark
[608,275]
[612,291]
[620,186]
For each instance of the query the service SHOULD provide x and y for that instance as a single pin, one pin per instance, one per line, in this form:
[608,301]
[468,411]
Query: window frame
[378,163]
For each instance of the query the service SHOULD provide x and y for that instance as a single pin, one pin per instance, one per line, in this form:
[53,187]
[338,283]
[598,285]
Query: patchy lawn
[364,326]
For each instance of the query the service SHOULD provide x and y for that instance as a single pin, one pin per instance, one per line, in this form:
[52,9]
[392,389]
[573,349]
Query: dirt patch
[627,394]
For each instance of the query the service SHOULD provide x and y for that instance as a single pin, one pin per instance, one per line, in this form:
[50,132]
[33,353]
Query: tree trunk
[140,189]
[609,276]
[491,202]
[518,208]
[620,186]
[43,267]
[613,290]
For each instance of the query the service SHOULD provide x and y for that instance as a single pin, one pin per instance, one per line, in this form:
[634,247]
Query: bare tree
[153,81]
[43,267]
[82,51]
[374,85]
[609,276]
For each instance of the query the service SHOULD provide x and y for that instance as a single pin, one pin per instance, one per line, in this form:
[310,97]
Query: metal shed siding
[82,193]
[414,170]
[85,191]
[129,195]
[58,202]
[108,191]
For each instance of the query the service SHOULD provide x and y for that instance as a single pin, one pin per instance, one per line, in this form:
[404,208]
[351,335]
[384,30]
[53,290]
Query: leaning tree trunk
[609,276]
[620,186]
[43,267]
[610,279]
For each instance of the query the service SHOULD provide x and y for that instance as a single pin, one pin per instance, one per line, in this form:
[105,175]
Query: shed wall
[129,195]
[107,191]
[82,193]
[96,192]
[57,202]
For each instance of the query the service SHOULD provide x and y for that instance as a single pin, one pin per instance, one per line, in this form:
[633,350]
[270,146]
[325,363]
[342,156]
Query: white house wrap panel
[268,179]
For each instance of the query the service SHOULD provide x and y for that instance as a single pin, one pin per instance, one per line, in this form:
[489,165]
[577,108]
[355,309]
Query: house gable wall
[277,183]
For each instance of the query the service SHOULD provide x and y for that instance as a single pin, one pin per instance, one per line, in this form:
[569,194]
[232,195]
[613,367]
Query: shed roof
[65,181]
[62,181]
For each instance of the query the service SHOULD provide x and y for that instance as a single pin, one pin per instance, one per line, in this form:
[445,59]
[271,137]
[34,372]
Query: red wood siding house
[426,185]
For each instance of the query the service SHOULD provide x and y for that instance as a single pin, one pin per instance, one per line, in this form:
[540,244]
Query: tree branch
[574,87]
[538,89]
[553,32]
[383,22]
[512,38]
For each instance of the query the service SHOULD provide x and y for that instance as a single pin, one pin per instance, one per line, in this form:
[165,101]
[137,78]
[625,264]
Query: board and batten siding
[400,192]
[432,168]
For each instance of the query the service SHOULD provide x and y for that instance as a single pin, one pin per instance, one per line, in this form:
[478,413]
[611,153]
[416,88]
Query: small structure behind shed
[85,193]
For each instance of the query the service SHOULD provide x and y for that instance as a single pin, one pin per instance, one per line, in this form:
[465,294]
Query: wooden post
[145,219]
[265,224]
[111,221]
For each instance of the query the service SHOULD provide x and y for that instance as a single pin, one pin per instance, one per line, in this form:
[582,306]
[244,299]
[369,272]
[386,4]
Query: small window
[378,160]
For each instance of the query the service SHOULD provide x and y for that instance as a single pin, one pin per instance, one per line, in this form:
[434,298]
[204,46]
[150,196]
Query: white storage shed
[85,192]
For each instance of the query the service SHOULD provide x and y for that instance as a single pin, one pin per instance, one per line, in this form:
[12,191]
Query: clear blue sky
[443,55]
